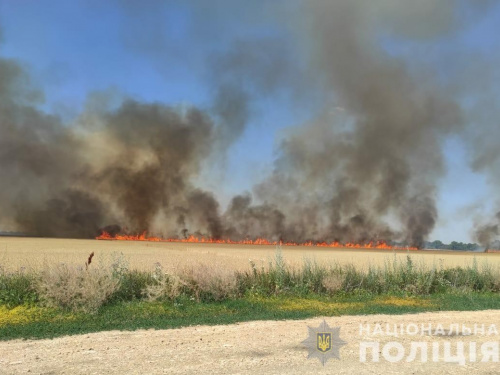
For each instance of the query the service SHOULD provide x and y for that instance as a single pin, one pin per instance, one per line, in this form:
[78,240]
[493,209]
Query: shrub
[132,285]
[76,288]
[87,288]
[333,283]
[207,283]
[163,286]
[17,288]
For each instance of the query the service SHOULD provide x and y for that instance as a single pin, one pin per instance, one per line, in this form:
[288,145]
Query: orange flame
[258,241]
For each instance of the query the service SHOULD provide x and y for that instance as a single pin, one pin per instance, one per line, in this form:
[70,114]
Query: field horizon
[33,252]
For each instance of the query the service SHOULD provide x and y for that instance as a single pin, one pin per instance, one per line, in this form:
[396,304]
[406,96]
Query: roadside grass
[43,322]
[62,300]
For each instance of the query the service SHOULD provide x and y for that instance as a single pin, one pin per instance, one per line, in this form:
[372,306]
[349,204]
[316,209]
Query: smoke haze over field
[364,167]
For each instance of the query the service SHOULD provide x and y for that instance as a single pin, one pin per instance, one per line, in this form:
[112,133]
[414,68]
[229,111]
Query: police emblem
[323,342]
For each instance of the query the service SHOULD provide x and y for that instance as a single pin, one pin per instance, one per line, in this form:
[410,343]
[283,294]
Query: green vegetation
[454,245]
[41,322]
[64,300]
[17,288]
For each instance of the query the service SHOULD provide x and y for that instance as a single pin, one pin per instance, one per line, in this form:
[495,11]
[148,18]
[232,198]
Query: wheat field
[34,253]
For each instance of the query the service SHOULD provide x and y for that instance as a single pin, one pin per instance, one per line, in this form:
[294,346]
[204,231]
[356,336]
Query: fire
[258,241]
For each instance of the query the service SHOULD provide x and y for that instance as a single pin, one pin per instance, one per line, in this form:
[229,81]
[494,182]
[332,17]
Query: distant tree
[472,246]
[454,245]
[436,244]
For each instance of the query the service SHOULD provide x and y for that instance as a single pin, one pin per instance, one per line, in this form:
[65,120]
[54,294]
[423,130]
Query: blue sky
[73,48]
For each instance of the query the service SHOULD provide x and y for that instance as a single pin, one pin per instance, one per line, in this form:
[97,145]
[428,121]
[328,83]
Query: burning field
[36,253]
[187,164]
[362,171]
[258,241]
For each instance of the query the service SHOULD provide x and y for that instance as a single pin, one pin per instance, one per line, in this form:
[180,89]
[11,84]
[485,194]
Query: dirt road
[261,347]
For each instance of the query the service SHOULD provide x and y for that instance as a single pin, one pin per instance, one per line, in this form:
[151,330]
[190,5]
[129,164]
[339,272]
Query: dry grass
[333,283]
[34,252]
[210,282]
[165,286]
[79,289]
[87,287]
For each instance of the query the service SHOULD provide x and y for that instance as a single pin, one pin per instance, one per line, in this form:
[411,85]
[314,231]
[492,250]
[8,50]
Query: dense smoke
[364,168]
[482,137]
[488,234]
[379,154]
[124,166]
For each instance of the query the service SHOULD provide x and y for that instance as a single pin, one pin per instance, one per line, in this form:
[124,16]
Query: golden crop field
[33,253]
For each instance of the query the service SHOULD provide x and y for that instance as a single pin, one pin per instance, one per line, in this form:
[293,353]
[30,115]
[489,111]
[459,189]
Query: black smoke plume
[364,168]
[488,234]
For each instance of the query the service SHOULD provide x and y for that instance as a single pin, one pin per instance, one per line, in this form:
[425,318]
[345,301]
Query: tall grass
[88,288]
[17,288]
[76,288]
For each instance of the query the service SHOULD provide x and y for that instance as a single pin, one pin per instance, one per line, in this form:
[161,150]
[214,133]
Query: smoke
[126,165]
[245,220]
[365,167]
[250,69]
[121,168]
[488,234]
[482,140]
[379,153]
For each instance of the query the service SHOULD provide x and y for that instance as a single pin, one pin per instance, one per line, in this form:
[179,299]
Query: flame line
[258,241]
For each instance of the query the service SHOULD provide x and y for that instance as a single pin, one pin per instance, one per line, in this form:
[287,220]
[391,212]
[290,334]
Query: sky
[73,49]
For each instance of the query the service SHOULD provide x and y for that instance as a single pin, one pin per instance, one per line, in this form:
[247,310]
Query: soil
[258,347]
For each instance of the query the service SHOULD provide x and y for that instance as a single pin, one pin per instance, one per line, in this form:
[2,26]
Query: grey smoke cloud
[366,172]
[387,160]
[487,234]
